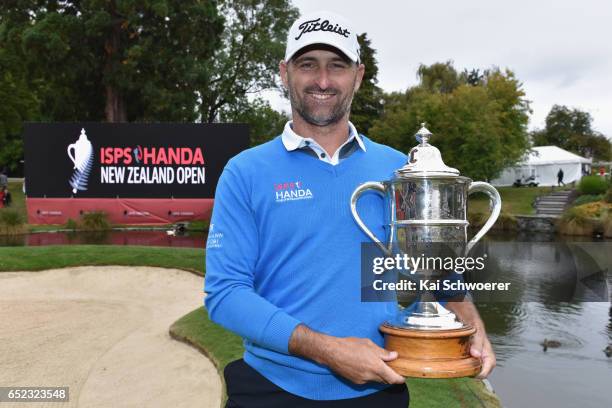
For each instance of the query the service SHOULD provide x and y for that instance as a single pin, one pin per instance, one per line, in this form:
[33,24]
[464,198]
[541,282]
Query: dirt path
[103,332]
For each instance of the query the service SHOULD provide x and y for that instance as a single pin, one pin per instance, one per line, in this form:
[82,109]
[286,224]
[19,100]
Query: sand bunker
[103,332]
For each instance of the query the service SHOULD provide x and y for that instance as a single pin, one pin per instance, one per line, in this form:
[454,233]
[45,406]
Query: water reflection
[610,324]
[113,237]
[548,272]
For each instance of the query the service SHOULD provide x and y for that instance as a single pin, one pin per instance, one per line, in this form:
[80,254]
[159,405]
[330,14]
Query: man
[560,178]
[283,255]
[3,179]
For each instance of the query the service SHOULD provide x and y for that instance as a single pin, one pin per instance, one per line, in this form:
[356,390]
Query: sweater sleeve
[231,255]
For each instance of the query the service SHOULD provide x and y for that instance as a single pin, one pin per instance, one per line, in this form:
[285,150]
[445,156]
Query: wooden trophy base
[431,353]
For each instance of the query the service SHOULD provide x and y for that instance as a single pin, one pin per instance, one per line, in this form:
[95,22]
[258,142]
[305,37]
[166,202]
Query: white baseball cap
[323,27]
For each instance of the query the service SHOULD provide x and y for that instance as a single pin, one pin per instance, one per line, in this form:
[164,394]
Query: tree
[367,102]
[246,62]
[571,129]
[114,59]
[264,122]
[18,104]
[480,129]
[472,77]
[439,77]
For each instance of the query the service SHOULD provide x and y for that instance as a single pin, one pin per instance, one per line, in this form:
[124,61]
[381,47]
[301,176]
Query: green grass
[515,200]
[222,346]
[59,256]
[18,202]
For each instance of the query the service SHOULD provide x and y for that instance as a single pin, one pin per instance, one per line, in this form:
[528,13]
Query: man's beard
[337,112]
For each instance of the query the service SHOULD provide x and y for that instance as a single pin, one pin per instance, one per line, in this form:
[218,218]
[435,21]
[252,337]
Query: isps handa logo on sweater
[291,191]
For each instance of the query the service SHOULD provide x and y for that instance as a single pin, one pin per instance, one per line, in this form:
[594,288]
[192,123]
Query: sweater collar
[293,141]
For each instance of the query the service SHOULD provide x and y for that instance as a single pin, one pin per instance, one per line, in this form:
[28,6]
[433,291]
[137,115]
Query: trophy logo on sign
[426,206]
[82,156]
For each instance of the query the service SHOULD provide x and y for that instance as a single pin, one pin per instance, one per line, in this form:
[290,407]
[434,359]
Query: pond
[578,373]
[548,306]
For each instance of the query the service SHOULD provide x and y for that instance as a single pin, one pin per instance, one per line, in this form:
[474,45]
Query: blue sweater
[283,249]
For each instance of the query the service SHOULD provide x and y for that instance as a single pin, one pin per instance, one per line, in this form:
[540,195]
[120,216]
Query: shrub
[608,196]
[592,185]
[607,226]
[586,219]
[476,219]
[595,210]
[576,221]
[11,222]
[505,221]
[71,224]
[95,221]
[584,199]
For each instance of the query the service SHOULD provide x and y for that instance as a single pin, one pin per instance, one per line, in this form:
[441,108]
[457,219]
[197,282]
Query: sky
[560,50]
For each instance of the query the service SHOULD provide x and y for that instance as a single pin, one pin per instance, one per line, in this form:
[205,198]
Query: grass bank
[515,200]
[50,257]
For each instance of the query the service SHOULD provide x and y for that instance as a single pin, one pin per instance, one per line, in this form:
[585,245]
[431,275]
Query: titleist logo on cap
[325,25]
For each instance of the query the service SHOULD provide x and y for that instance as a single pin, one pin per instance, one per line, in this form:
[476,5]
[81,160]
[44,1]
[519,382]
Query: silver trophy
[426,202]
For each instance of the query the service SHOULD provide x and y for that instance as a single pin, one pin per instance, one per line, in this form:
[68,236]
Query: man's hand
[361,360]
[481,348]
[356,359]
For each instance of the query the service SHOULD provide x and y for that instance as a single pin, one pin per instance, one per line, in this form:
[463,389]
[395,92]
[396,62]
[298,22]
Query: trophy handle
[482,187]
[370,185]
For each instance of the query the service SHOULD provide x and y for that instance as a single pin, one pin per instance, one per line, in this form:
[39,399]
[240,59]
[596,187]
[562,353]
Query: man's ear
[359,78]
[282,67]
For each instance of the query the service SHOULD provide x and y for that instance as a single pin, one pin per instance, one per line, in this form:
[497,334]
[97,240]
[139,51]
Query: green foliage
[571,129]
[95,221]
[592,185]
[576,221]
[264,122]
[71,224]
[18,199]
[576,215]
[246,62]
[588,198]
[367,102]
[505,221]
[11,221]
[608,196]
[480,128]
[440,77]
[587,219]
[113,60]
[472,77]
[17,104]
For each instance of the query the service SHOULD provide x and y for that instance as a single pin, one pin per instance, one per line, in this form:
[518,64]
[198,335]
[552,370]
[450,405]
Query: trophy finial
[423,135]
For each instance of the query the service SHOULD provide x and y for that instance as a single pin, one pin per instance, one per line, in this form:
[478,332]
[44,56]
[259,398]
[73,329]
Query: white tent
[544,163]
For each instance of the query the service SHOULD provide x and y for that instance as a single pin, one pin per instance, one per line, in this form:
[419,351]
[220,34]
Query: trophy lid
[425,159]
